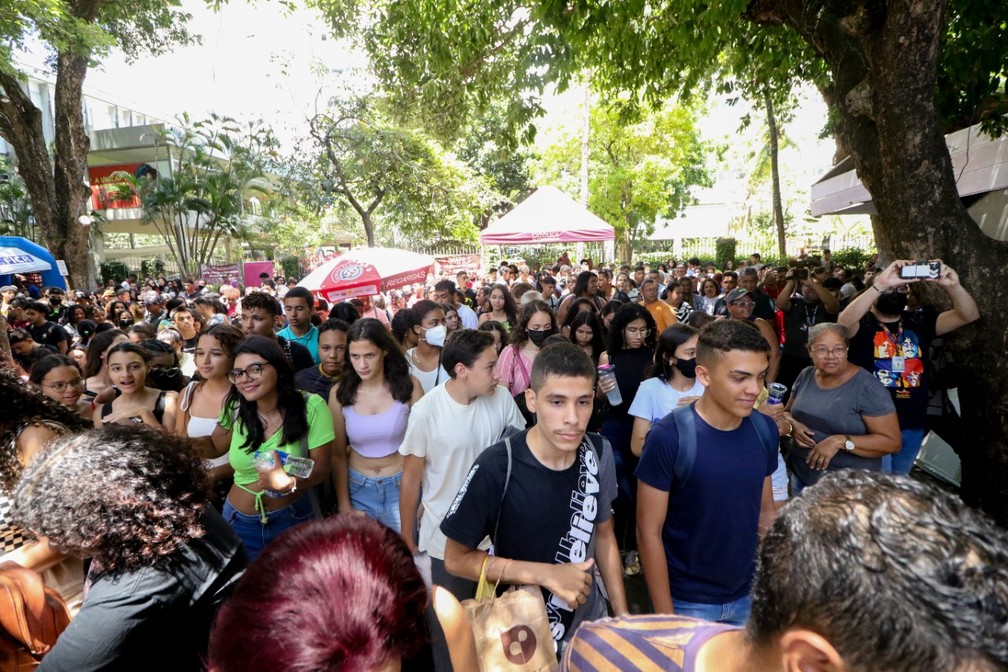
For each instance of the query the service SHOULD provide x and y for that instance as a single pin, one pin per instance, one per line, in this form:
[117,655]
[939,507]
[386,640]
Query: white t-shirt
[450,436]
[468,317]
[655,398]
[428,379]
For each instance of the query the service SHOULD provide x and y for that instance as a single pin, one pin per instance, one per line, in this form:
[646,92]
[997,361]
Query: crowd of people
[287,484]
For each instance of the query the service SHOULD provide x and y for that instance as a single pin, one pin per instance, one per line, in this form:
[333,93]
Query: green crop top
[320,432]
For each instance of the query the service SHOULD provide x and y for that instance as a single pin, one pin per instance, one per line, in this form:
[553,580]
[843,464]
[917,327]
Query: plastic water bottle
[609,371]
[299,467]
[777,392]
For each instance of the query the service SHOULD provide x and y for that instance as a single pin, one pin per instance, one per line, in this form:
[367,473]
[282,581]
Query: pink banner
[252,269]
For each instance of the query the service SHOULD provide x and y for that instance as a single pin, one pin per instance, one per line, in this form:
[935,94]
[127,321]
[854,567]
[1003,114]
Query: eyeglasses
[821,351]
[635,331]
[253,371]
[61,386]
[745,304]
[169,371]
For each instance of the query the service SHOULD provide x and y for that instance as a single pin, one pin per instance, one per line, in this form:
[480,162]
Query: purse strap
[507,479]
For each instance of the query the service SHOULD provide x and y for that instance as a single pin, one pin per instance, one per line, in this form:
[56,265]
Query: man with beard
[894,345]
[817,305]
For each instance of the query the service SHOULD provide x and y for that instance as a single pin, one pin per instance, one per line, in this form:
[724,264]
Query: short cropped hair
[301,293]
[261,301]
[464,347]
[445,286]
[898,575]
[333,324]
[722,336]
[564,360]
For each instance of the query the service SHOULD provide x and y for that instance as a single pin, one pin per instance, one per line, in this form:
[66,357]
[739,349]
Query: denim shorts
[732,613]
[377,497]
[255,535]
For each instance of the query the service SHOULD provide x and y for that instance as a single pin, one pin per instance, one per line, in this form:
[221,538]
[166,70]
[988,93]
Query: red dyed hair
[335,595]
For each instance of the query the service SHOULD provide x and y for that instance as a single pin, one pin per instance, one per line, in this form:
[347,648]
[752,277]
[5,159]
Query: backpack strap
[685,457]
[507,480]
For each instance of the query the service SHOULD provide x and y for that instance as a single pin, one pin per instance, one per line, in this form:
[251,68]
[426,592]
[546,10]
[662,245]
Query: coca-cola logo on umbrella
[345,272]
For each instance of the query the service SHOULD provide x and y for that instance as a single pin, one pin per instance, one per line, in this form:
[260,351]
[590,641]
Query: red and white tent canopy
[547,216]
[367,271]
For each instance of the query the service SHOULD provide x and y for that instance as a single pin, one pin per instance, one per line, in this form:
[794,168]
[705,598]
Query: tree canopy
[643,164]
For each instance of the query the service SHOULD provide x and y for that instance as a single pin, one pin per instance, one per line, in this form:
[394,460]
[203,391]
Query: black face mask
[125,323]
[687,367]
[539,337]
[891,303]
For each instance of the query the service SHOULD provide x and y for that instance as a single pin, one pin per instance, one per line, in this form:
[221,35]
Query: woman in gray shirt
[841,416]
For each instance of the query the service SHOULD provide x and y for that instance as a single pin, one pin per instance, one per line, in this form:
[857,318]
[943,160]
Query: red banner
[458,262]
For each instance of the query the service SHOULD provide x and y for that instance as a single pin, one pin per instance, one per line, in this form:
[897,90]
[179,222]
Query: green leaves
[642,165]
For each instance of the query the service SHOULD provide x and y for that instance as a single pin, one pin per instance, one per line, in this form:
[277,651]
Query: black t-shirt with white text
[547,516]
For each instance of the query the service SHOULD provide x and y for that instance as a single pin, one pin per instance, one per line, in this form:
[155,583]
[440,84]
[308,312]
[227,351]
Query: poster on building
[452,264]
[253,269]
[221,274]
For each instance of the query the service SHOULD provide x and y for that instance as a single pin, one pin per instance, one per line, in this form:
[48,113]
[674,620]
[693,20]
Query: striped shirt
[657,643]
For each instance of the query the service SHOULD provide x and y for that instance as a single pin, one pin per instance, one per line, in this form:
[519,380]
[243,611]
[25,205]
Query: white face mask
[435,336]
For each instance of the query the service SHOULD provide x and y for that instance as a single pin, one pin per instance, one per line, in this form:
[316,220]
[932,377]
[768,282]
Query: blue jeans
[255,535]
[377,497]
[901,462]
[732,613]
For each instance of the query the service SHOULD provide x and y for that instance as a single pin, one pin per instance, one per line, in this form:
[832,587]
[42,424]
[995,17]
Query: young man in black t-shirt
[42,331]
[551,519]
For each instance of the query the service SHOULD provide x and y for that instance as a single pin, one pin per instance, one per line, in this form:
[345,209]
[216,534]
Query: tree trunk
[56,186]
[368,227]
[884,64]
[67,238]
[778,205]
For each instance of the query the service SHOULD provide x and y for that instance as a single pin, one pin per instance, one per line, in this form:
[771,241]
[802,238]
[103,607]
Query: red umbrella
[367,271]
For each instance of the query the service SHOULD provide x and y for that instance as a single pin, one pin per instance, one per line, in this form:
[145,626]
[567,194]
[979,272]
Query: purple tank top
[376,435]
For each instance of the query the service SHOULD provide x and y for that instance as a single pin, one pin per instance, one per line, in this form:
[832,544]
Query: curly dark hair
[624,316]
[33,407]
[510,308]
[896,574]
[395,368]
[127,496]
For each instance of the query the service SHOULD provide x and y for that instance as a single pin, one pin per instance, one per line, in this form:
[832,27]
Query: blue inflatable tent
[20,255]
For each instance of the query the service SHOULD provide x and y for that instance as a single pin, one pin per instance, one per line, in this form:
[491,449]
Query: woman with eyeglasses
[137,403]
[267,414]
[630,351]
[60,379]
[839,415]
[370,409]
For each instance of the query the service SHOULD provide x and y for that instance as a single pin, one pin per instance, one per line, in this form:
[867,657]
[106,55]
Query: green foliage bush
[852,258]
[724,248]
[291,267]
[114,270]
[149,268]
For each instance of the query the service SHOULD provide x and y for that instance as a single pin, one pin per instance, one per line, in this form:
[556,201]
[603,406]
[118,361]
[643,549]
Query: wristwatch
[848,444]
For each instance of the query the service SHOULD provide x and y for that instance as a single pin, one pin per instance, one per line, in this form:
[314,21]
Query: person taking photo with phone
[893,344]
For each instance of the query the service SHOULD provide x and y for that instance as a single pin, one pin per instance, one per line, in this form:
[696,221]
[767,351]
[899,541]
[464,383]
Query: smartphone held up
[922,270]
